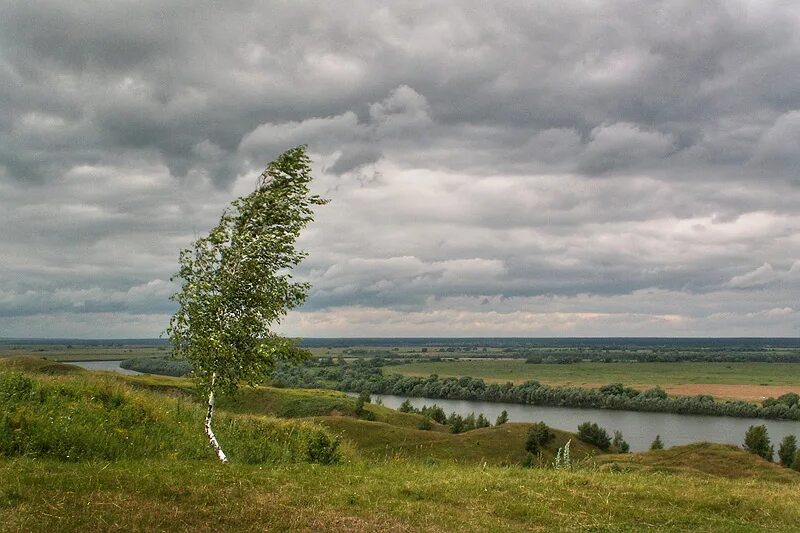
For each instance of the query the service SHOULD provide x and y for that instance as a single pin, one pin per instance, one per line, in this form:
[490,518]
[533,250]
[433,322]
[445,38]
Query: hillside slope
[704,458]
[89,451]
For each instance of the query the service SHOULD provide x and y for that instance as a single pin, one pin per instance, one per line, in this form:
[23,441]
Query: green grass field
[389,496]
[602,373]
[144,466]
[65,352]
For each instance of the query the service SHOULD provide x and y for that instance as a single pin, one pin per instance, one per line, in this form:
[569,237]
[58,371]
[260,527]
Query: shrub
[593,434]
[502,418]
[796,462]
[435,413]
[456,423]
[406,406]
[756,441]
[160,366]
[469,422]
[424,425]
[618,444]
[363,397]
[532,460]
[787,450]
[539,436]
[657,444]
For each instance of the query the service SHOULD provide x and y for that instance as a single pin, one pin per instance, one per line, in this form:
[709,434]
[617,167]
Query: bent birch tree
[237,284]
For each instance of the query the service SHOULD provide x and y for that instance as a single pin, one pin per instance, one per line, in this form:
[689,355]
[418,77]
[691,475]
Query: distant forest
[481,342]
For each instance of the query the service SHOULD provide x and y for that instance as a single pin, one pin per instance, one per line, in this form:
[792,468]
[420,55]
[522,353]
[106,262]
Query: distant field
[61,352]
[726,380]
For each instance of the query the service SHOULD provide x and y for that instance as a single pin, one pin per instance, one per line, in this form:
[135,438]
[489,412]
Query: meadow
[110,351]
[398,495]
[380,471]
[748,381]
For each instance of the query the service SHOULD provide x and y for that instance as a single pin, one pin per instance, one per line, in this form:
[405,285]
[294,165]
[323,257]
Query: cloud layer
[521,168]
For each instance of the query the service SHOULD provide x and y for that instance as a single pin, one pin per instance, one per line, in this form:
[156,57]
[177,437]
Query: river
[638,428]
[103,365]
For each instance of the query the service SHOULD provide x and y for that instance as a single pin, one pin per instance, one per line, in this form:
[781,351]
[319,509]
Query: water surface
[104,365]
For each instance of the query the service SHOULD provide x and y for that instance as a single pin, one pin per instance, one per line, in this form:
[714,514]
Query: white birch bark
[209,414]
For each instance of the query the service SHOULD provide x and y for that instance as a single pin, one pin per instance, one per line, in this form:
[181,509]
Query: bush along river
[638,428]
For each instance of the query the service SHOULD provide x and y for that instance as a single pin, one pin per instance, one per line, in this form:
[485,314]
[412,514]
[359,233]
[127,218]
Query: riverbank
[638,428]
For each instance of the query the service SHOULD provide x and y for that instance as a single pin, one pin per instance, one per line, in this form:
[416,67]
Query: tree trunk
[209,415]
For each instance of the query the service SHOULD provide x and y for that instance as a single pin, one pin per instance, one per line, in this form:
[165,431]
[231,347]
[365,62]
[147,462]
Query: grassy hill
[92,416]
[499,445]
[704,458]
[37,365]
[87,451]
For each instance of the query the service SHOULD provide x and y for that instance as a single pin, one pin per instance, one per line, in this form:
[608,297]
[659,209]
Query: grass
[583,374]
[391,496]
[86,416]
[498,445]
[37,365]
[64,352]
[705,458]
[390,475]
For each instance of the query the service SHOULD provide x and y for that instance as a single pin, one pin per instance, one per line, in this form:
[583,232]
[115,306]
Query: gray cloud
[513,168]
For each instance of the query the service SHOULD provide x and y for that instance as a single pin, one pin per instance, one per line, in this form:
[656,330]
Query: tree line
[368,376]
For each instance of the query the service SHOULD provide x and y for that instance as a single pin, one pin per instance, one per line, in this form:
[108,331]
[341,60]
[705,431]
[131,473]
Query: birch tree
[237,284]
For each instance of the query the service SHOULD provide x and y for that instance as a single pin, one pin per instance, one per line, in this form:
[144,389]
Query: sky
[518,168]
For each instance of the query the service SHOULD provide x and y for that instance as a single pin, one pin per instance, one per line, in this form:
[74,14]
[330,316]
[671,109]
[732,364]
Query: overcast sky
[495,168]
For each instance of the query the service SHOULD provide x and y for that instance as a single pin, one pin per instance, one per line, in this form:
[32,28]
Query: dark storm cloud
[565,167]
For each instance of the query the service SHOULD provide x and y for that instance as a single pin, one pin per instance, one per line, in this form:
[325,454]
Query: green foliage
[159,366]
[435,413]
[619,445]
[369,375]
[502,418]
[455,422]
[787,450]
[539,436]
[363,398]
[532,460]
[406,407]
[756,441]
[657,444]
[796,461]
[237,282]
[469,422]
[425,424]
[593,434]
[89,418]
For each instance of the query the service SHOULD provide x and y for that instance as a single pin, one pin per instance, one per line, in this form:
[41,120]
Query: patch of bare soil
[731,392]
[723,391]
